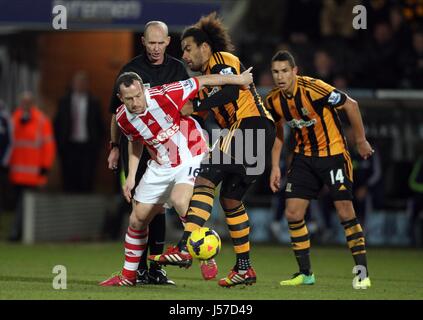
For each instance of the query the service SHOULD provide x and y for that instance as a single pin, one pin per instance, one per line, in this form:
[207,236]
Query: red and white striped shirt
[170,137]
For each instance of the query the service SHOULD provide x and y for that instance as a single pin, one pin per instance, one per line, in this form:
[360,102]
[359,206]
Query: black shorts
[240,156]
[307,175]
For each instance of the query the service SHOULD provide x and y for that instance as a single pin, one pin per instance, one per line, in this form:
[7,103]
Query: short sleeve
[180,92]
[323,94]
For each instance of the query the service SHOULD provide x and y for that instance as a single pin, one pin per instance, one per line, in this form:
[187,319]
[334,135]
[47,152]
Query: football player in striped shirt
[156,118]
[207,48]
[310,107]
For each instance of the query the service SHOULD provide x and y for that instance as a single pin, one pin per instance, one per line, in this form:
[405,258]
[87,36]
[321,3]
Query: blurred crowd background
[42,68]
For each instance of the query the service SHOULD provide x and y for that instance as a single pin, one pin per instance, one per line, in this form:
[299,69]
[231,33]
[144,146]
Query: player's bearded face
[133,97]
[192,54]
[283,74]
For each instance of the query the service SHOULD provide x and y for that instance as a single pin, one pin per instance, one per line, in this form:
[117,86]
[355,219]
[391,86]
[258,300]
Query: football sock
[135,244]
[156,239]
[201,206]
[243,262]
[300,241]
[356,241]
[239,229]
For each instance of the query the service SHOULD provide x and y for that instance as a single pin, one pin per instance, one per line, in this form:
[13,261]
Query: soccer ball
[204,243]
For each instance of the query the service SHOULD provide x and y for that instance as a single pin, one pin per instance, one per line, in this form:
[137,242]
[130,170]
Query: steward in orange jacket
[34,148]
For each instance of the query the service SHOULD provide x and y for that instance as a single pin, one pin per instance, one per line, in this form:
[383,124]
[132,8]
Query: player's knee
[181,205]
[202,181]
[137,221]
[345,210]
[228,204]
[293,214]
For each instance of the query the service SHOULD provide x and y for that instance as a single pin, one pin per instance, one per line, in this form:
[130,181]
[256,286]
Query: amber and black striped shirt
[248,104]
[311,113]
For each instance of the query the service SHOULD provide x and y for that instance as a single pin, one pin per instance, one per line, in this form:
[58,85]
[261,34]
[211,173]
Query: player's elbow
[350,103]
[186,111]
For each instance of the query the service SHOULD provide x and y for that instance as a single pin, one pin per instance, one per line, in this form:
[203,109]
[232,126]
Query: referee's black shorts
[308,174]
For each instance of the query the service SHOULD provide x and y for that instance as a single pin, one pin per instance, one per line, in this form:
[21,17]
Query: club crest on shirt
[168,118]
[304,111]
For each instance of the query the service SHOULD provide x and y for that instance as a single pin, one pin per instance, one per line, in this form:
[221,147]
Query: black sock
[243,261]
[182,244]
[156,239]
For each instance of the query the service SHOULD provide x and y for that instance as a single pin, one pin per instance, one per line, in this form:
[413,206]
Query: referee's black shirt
[170,70]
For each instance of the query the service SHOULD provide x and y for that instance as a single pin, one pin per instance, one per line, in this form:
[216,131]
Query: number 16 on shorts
[193,172]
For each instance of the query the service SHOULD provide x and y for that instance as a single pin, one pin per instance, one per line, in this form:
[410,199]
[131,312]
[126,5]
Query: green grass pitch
[26,272]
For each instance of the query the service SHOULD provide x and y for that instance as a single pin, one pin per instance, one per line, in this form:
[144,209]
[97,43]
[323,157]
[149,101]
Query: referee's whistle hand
[113,159]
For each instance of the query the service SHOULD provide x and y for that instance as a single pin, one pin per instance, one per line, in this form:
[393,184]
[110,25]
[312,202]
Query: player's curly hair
[211,30]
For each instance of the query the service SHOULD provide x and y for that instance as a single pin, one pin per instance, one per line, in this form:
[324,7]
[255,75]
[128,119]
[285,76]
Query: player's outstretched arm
[353,112]
[243,79]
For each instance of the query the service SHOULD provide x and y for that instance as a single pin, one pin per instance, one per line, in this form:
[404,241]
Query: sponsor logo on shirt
[164,135]
[294,123]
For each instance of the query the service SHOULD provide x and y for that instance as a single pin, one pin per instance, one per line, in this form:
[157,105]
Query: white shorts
[157,182]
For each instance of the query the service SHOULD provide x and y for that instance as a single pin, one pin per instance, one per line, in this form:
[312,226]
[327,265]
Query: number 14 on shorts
[338,176]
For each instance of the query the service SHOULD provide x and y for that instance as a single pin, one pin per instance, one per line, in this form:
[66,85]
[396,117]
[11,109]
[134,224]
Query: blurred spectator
[380,58]
[400,28]
[302,17]
[265,79]
[33,153]
[377,12]
[79,132]
[5,150]
[325,68]
[336,18]
[413,12]
[413,63]
[416,186]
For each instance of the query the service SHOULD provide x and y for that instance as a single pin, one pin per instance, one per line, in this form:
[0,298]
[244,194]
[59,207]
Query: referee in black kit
[155,67]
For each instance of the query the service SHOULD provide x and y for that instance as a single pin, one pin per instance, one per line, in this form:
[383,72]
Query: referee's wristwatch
[113,145]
